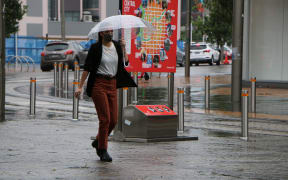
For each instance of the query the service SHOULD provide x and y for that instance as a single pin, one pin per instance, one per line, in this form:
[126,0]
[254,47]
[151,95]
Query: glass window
[72,15]
[53,10]
[93,7]
[198,47]
[88,4]
[79,46]
[56,47]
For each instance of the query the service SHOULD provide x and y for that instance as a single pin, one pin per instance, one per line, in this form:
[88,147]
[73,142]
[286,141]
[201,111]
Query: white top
[109,61]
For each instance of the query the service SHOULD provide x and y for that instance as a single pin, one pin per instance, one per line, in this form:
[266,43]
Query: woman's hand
[122,43]
[78,92]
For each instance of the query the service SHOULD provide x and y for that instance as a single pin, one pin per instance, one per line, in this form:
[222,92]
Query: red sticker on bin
[155,110]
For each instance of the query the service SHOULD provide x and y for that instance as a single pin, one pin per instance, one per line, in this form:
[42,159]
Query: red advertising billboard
[156,51]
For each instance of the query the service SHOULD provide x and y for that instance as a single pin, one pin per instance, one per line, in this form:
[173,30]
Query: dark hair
[99,37]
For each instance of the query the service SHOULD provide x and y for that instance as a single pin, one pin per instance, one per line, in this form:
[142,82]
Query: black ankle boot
[95,145]
[104,156]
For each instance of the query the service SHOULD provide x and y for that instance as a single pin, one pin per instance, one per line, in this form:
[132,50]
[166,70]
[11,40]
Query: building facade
[265,40]
[43,17]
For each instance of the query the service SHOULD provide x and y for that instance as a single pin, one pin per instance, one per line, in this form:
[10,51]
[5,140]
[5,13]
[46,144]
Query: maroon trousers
[104,95]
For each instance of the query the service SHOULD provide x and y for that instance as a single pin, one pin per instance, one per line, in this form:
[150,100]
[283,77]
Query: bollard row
[60,76]
[75,101]
[244,116]
[135,89]
[170,90]
[125,97]
[207,92]
[253,95]
[66,78]
[32,96]
[58,83]
[180,109]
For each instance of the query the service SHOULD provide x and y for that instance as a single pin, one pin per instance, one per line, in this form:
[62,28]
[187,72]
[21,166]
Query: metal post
[180,108]
[55,76]
[66,78]
[60,76]
[16,44]
[170,90]
[75,69]
[120,109]
[244,124]
[2,63]
[237,43]
[62,12]
[135,89]
[78,73]
[32,96]
[207,92]
[253,95]
[188,38]
[125,97]
[75,101]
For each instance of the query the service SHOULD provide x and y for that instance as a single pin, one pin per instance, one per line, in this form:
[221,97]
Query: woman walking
[105,66]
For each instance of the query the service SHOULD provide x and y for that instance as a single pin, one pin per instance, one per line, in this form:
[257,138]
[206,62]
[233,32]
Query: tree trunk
[222,56]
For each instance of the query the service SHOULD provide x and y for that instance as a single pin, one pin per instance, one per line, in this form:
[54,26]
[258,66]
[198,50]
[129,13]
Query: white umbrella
[120,22]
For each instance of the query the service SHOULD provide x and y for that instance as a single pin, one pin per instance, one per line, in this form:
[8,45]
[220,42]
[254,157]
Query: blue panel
[180,45]
[27,46]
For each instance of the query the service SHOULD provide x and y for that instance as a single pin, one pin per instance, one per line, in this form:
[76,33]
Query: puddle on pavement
[221,134]
[13,114]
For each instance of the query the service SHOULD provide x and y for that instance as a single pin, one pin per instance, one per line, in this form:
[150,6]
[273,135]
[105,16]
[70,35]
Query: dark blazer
[92,62]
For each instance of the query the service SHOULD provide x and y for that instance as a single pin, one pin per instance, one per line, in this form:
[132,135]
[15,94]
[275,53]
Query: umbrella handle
[124,62]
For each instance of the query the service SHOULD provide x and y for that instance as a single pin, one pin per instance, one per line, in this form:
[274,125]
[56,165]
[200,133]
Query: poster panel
[156,51]
[155,110]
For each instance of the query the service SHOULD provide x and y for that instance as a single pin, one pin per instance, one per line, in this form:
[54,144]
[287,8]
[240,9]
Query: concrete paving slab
[52,146]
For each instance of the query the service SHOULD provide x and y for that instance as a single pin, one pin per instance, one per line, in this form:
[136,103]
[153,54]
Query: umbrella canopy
[120,22]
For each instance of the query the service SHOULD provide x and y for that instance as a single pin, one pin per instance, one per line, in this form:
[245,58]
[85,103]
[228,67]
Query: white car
[203,53]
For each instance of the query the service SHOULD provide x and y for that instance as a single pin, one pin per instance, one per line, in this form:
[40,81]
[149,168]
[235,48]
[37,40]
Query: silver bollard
[66,77]
[120,109]
[55,76]
[244,118]
[60,76]
[32,96]
[135,89]
[180,109]
[75,101]
[125,97]
[207,92]
[75,72]
[78,73]
[170,90]
[253,95]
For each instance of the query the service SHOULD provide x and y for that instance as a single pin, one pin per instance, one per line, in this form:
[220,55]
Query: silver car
[62,51]
[180,59]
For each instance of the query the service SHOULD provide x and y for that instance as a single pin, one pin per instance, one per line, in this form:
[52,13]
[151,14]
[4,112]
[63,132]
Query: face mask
[108,37]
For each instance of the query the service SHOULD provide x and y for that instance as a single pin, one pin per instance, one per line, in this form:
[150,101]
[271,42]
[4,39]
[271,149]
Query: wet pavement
[52,146]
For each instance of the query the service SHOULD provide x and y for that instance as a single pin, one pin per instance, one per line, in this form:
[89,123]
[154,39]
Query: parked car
[62,51]
[180,57]
[203,53]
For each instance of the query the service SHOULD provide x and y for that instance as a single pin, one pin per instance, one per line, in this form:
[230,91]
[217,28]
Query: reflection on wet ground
[155,91]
